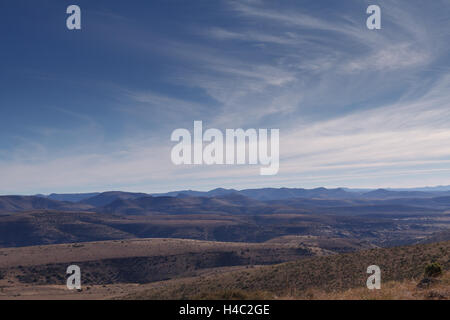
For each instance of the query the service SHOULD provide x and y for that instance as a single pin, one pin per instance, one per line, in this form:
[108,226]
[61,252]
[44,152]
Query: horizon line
[237,190]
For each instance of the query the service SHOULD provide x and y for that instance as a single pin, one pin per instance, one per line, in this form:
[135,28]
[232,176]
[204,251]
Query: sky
[93,109]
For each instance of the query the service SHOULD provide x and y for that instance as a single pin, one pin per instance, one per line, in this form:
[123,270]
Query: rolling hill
[142,261]
[12,204]
[229,204]
[105,198]
[231,216]
[71,197]
[297,279]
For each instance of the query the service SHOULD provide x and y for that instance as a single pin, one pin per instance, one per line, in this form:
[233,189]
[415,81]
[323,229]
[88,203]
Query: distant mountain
[232,217]
[12,204]
[263,194]
[221,192]
[249,201]
[389,194]
[438,203]
[237,198]
[49,227]
[105,198]
[237,204]
[426,189]
[267,194]
[437,237]
[357,190]
[72,197]
[229,204]
[191,193]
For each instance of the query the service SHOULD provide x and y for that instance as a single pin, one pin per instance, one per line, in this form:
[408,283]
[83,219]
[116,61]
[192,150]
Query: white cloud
[390,58]
[323,81]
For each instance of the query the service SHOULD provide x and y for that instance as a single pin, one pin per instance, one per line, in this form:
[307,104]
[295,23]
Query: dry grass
[308,277]
[341,276]
[392,290]
[94,251]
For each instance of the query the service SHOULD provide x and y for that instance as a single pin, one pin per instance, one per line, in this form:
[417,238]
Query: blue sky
[93,110]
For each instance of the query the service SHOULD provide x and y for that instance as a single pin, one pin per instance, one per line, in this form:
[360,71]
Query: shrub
[433,270]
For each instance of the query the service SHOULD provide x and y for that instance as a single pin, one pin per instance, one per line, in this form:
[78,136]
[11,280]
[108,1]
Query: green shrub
[433,270]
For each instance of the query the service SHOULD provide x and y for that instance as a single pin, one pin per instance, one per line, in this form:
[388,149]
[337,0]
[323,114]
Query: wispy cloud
[354,107]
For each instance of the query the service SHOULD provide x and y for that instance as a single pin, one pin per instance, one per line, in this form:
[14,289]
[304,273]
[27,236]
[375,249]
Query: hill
[267,194]
[105,198]
[229,204]
[49,227]
[412,289]
[217,219]
[437,237]
[383,194]
[327,274]
[12,204]
[142,261]
[283,268]
[71,197]
[98,199]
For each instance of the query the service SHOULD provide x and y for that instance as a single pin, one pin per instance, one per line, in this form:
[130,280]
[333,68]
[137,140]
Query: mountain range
[381,217]
[268,200]
[223,236]
[264,194]
[229,201]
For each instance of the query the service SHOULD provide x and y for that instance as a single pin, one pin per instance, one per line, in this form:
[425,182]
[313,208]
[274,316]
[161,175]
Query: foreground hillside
[298,279]
[31,271]
[414,289]
[188,269]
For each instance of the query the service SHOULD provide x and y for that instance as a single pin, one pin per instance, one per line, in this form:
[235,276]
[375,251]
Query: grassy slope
[293,279]
[115,249]
[392,290]
[149,260]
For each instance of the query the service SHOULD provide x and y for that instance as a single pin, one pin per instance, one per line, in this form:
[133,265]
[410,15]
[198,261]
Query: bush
[433,270]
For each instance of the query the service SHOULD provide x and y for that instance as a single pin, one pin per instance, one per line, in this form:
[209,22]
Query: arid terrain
[144,261]
[225,245]
[189,269]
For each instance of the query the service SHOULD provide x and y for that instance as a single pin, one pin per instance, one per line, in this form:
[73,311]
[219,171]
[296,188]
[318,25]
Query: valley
[265,244]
